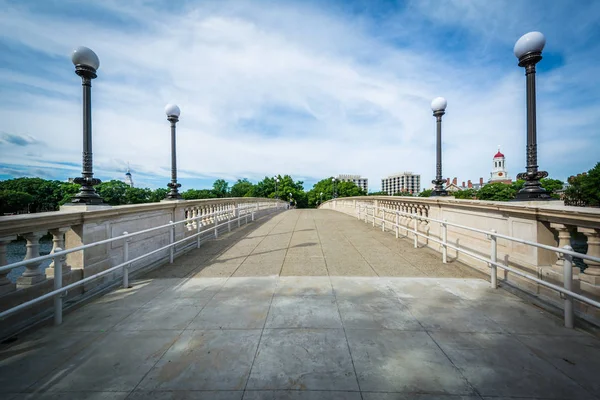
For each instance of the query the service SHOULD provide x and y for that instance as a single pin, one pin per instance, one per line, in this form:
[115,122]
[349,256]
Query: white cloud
[326,95]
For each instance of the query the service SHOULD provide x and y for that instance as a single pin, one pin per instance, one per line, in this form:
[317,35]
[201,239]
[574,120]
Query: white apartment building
[361,182]
[401,182]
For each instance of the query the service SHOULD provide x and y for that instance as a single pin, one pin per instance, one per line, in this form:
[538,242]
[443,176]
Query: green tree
[112,192]
[221,188]
[380,193]
[325,186]
[242,188]
[194,194]
[465,194]
[158,195]
[496,192]
[552,186]
[403,193]
[135,195]
[12,201]
[426,193]
[584,189]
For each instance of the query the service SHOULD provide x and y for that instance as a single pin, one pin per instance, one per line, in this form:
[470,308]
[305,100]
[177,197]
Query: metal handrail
[59,290]
[499,235]
[566,252]
[110,240]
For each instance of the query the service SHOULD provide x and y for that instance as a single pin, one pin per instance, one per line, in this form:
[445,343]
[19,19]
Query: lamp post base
[525,195]
[439,193]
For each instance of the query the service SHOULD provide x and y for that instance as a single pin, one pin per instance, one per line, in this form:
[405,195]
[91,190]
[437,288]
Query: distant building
[401,182]
[361,182]
[128,178]
[499,173]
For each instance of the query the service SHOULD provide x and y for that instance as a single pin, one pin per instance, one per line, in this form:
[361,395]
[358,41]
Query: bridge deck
[305,305]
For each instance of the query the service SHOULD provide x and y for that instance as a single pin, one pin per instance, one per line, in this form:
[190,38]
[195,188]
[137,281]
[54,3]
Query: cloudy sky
[307,88]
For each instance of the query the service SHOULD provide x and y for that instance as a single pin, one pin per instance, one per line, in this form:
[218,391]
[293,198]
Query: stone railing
[549,223]
[76,226]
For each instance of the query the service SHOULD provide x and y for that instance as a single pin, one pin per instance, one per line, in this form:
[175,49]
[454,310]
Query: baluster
[590,278]
[195,211]
[6,286]
[58,241]
[32,274]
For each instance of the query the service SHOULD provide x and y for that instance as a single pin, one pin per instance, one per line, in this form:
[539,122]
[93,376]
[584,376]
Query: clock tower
[499,173]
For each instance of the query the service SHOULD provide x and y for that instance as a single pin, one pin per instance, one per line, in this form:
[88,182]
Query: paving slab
[303,359]
[304,286]
[304,312]
[205,360]
[234,312]
[117,362]
[500,365]
[376,313]
[403,361]
[186,395]
[300,395]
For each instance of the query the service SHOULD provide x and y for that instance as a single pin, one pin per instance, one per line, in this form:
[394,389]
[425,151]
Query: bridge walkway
[305,304]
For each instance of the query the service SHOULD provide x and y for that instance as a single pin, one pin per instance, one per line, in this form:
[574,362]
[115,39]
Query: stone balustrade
[549,223]
[74,226]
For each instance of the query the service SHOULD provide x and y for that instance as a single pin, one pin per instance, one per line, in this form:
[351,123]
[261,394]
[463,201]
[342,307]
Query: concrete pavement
[306,304]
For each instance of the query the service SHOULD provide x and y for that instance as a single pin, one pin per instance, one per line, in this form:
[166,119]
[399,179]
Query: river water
[15,252]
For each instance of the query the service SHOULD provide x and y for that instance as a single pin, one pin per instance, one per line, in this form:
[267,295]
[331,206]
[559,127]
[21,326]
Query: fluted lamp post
[528,50]
[438,106]
[173,113]
[86,63]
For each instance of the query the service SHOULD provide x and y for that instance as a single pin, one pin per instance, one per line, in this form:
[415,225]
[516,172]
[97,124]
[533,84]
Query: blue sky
[307,88]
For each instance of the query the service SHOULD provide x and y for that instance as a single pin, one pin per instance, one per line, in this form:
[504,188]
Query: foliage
[242,188]
[465,194]
[552,186]
[221,188]
[12,201]
[47,194]
[158,195]
[497,192]
[194,194]
[584,189]
[426,193]
[403,194]
[112,192]
[325,186]
[380,193]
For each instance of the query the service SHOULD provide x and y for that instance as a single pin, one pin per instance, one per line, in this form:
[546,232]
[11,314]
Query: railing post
[229,222]
[493,258]
[415,230]
[237,214]
[58,303]
[199,227]
[216,223]
[171,241]
[253,212]
[568,285]
[397,225]
[444,242]
[125,259]
[383,221]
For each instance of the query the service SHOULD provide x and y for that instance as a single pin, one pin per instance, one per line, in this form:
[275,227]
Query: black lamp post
[276,189]
[528,50]
[173,113]
[438,106]
[86,63]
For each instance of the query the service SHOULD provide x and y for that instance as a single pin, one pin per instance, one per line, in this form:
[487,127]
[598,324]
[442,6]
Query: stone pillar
[590,278]
[32,274]
[58,241]
[564,239]
[6,286]
[194,215]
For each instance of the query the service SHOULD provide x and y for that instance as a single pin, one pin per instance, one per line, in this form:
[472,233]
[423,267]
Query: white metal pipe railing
[59,290]
[565,252]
